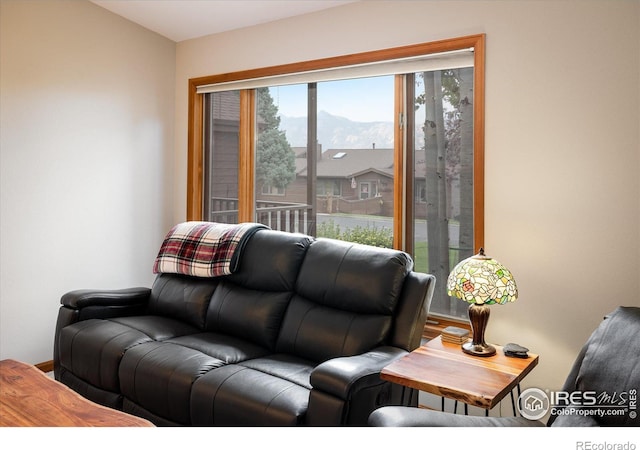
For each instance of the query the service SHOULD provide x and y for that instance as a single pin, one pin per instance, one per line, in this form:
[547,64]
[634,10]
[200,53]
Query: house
[93,115]
[352,181]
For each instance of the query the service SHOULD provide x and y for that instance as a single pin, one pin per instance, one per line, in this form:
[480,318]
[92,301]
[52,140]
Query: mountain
[339,132]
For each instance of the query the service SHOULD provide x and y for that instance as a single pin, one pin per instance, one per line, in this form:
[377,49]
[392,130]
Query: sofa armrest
[84,298]
[85,304]
[402,416]
[343,376]
[347,389]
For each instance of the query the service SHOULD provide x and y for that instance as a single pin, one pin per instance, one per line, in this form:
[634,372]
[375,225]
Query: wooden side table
[443,369]
[28,398]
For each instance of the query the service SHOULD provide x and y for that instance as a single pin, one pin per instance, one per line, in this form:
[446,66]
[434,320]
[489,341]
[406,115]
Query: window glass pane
[355,173]
[345,189]
[282,201]
[443,184]
[221,128]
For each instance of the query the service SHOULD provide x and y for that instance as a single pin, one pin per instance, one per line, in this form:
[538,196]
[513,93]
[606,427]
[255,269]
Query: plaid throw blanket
[204,249]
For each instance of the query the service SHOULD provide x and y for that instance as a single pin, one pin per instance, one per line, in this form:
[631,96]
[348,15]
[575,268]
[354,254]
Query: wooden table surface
[29,398]
[444,369]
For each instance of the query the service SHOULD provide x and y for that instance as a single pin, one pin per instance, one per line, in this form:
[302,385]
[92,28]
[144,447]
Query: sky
[361,100]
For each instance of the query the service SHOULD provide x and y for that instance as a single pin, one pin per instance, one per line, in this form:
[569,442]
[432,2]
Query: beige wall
[562,143]
[86,110]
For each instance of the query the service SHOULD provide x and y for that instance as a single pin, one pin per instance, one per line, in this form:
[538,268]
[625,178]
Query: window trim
[195,156]
[246,161]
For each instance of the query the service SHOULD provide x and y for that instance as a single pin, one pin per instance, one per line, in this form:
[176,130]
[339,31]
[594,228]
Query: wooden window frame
[403,189]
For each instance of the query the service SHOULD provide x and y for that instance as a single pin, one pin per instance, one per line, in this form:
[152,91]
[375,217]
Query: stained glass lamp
[481,281]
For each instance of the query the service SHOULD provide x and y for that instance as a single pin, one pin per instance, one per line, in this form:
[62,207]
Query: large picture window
[384,148]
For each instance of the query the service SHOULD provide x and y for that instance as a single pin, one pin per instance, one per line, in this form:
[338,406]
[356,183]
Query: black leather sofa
[607,369]
[297,335]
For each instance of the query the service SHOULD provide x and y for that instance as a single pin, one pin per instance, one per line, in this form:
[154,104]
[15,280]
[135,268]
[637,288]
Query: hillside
[339,132]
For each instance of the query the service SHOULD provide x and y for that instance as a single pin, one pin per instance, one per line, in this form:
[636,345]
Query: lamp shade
[482,280]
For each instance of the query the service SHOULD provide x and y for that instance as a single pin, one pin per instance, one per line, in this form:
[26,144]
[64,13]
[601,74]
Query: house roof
[347,163]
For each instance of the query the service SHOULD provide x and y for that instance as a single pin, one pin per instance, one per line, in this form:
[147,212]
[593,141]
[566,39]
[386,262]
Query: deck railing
[281,216]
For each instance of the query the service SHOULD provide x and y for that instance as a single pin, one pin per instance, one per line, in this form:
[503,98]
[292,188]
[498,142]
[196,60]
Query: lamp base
[478,318]
[478,349]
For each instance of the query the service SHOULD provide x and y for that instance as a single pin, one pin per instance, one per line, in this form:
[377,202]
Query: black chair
[605,373]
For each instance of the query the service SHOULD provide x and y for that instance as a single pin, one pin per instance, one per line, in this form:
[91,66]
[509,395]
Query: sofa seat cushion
[284,366]
[237,395]
[156,327]
[92,350]
[226,348]
[158,376]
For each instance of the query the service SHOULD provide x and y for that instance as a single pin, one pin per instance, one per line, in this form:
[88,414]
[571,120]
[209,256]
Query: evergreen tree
[275,160]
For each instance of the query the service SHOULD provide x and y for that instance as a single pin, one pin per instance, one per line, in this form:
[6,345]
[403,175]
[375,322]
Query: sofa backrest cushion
[345,299]
[319,333]
[182,297]
[271,261]
[254,315]
[353,277]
